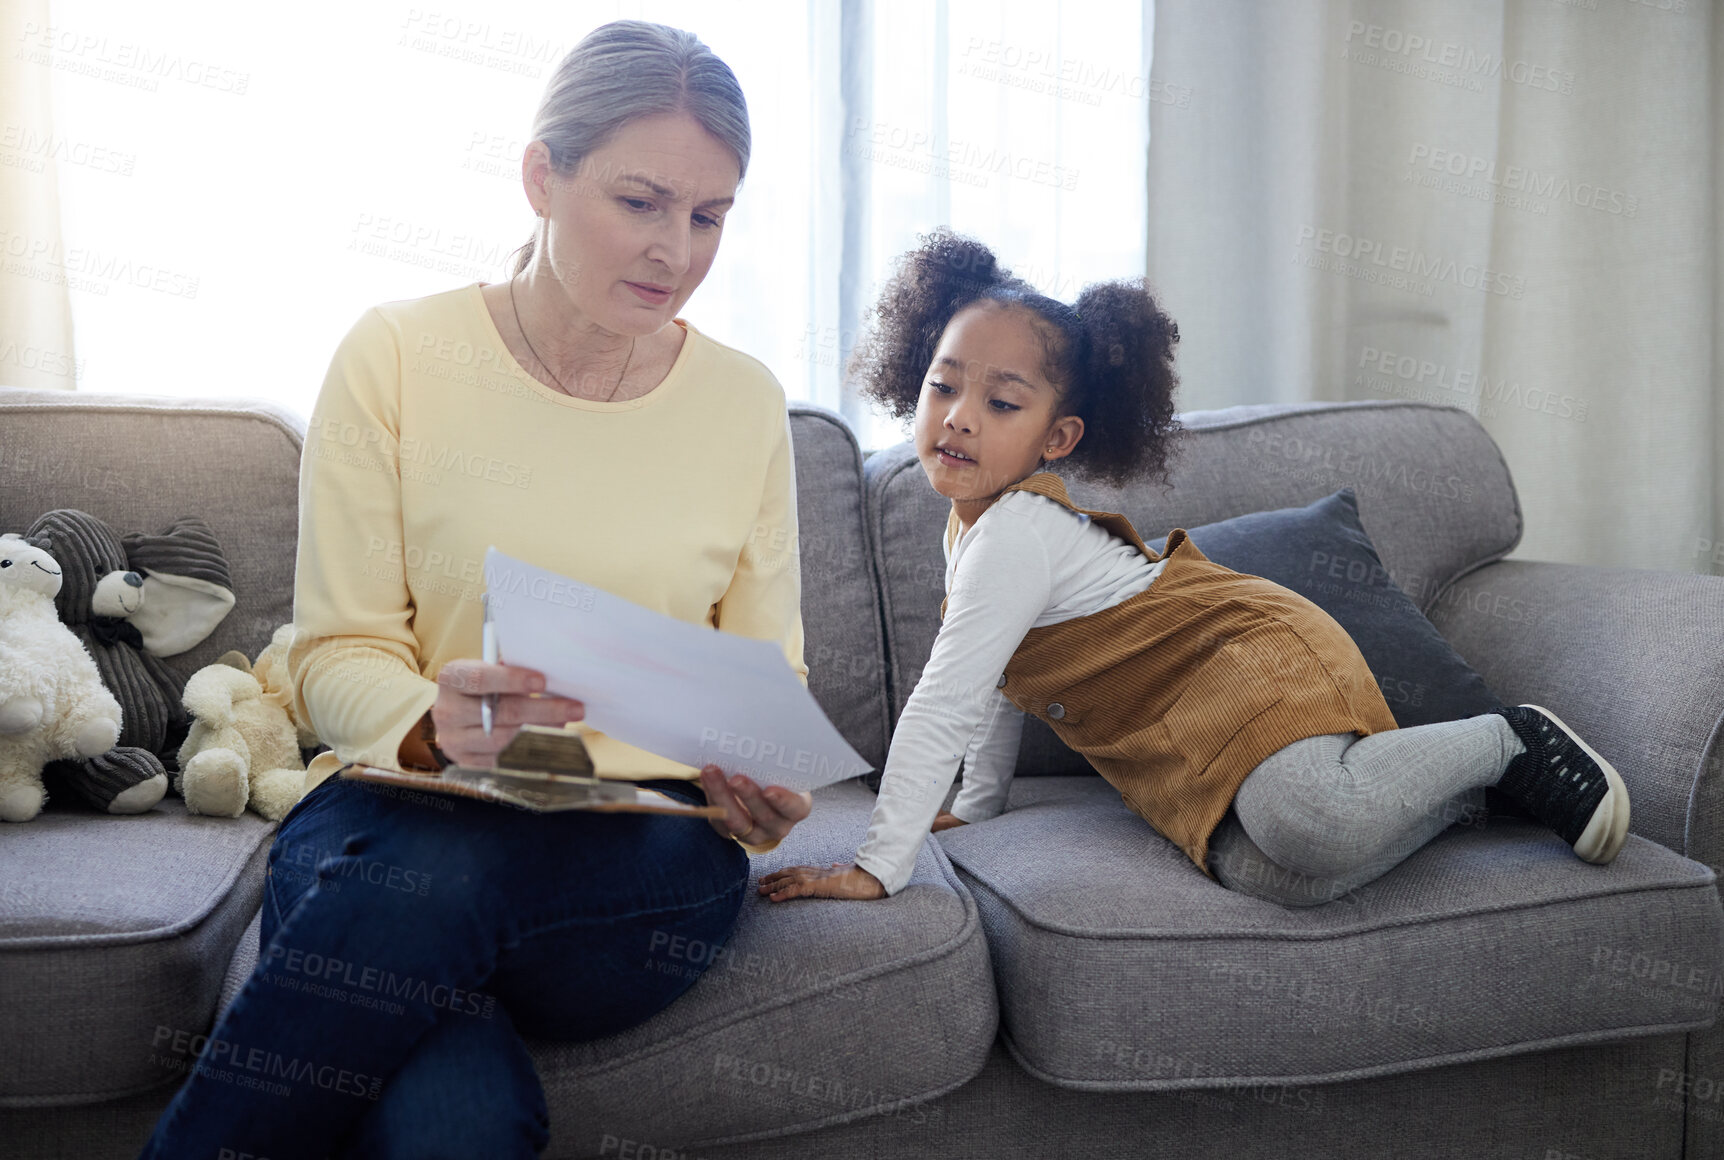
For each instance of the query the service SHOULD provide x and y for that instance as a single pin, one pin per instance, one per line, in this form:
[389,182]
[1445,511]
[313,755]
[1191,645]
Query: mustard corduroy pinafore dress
[1176,694]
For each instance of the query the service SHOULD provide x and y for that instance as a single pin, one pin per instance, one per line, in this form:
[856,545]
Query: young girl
[1232,714]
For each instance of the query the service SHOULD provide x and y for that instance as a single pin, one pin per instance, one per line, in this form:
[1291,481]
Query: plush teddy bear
[133,600]
[52,702]
[244,745]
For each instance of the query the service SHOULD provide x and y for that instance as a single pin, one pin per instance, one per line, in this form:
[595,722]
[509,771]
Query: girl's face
[634,229]
[986,415]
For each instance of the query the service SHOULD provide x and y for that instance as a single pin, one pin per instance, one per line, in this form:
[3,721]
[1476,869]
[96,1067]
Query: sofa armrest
[1632,659]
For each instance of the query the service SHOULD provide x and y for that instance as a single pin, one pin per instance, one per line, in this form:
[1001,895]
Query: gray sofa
[1059,981]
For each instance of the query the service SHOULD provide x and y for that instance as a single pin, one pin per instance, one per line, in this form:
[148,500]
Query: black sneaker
[1565,784]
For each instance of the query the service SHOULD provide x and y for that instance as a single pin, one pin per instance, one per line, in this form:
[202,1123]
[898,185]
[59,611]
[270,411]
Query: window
[239,185]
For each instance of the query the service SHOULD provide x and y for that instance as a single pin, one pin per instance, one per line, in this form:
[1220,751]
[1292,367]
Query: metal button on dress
[1001,683]
[1056,710]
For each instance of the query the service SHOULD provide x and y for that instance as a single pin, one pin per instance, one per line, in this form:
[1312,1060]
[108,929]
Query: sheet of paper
[683,691]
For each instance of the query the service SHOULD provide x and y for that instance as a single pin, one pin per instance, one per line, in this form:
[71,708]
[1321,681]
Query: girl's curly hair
[1110,355]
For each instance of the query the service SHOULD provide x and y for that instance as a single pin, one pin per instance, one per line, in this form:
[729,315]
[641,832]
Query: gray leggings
[1328,814]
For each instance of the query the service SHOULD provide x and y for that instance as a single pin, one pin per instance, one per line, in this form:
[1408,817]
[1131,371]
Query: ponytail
[1126,383]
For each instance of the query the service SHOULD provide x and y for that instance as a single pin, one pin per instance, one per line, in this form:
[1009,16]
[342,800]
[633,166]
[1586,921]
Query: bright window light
[241,185]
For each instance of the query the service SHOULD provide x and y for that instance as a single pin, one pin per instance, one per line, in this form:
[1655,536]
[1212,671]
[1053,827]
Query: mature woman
[569,417]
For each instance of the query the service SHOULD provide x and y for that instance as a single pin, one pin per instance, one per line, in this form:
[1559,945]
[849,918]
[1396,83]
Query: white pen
[488,654]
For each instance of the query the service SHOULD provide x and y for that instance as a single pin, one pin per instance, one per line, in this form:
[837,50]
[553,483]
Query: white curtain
[35,306]
[1502,205]
[1023,124]
[282,175]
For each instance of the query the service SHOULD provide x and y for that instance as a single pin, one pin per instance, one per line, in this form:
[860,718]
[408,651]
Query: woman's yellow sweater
[430,442]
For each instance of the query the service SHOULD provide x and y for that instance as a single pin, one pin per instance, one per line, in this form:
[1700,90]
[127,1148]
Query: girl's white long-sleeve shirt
[1026,562]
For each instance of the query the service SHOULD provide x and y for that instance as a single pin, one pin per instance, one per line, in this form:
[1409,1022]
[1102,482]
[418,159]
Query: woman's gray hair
[626,70]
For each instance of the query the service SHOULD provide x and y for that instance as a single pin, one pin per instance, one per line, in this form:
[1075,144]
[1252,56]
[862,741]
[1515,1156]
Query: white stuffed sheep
[243,748]
[52,700]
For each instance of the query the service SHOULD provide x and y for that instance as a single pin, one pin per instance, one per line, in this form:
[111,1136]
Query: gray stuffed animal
[132,600]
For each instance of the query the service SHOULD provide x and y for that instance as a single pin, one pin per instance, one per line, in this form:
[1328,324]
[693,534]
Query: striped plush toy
[133,600]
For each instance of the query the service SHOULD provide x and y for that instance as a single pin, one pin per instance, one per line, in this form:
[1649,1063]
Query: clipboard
[542,770]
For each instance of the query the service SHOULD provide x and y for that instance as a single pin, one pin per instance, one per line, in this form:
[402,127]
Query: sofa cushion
[1120,966]
[114,931]
[1322,552]
[815,1011]
[141,461]
[1431,486]
[843,645]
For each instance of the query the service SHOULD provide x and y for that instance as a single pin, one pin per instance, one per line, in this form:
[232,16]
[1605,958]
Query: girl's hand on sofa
[521,700]
[840,880]
[755,814]
[945,821]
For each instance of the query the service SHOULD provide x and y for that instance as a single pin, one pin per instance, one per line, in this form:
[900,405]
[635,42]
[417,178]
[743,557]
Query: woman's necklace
[515,310]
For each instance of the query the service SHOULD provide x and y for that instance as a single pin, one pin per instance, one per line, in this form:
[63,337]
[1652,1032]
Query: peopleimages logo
[1309,455]
[1397,50]
[123,62]
[48,260]
[1474,386]
[965,162]
[1368,253]
[1519,179]
[30,149]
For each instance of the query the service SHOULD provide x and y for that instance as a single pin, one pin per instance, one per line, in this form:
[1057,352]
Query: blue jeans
[410,940]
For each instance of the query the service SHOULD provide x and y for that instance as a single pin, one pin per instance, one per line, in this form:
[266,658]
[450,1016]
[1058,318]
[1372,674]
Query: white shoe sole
[1608,829]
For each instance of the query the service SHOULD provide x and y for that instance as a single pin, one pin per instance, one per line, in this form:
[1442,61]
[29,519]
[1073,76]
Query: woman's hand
[521,700]
[840,880]
[757,815]
[945,821]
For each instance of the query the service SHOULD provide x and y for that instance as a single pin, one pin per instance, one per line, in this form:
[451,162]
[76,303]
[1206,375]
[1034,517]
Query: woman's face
[634,228]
